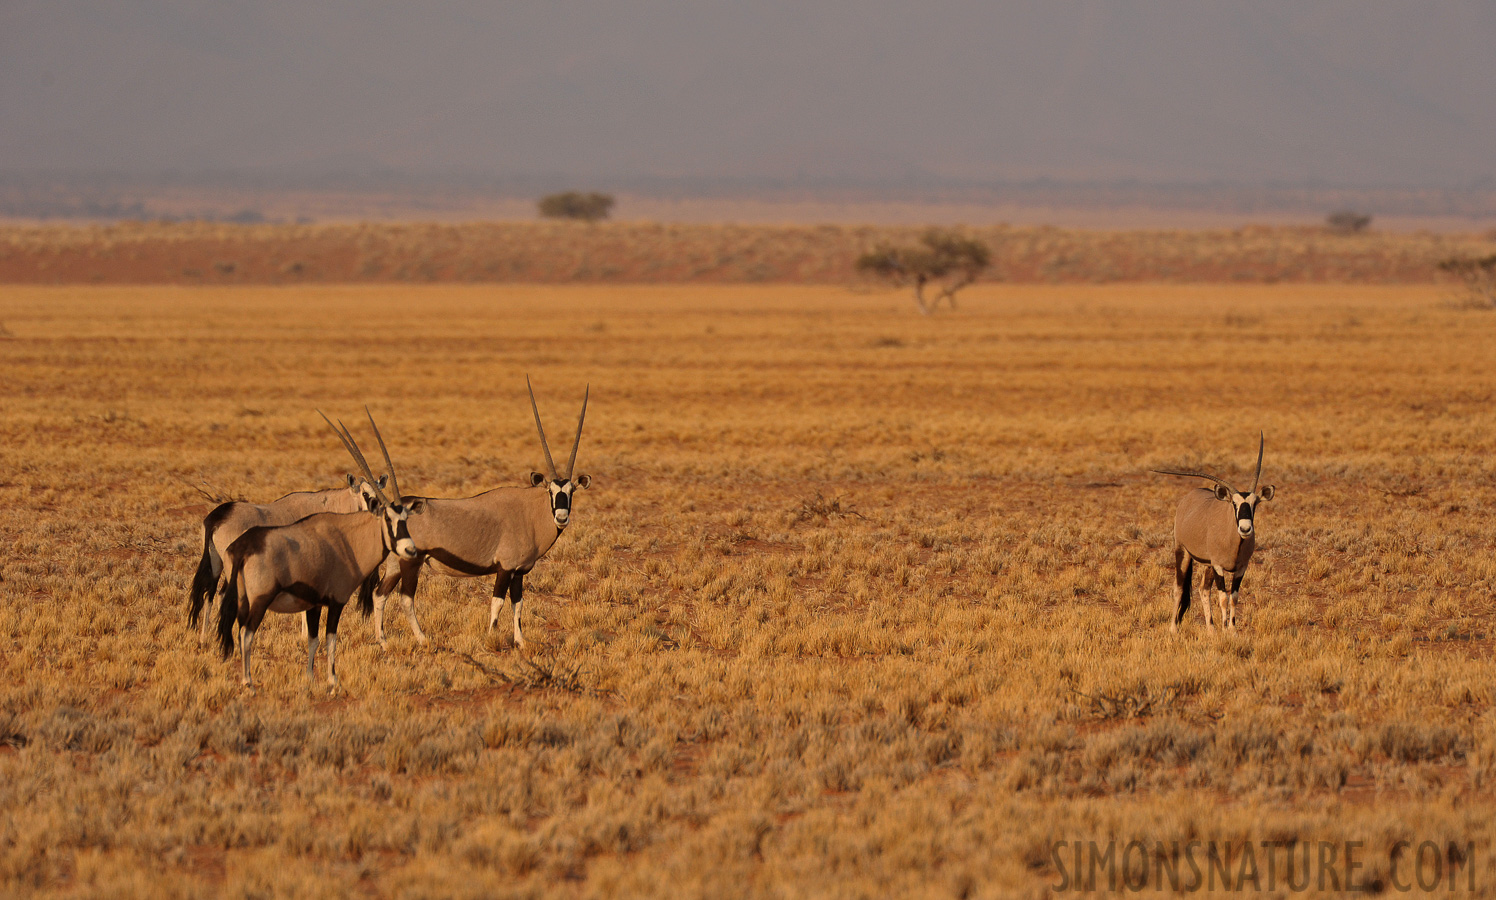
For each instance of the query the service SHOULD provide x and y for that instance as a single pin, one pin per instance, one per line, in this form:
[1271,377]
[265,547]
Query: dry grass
[859,604]
[641,252]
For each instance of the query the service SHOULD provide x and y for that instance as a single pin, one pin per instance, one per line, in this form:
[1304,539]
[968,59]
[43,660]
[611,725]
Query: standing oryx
[503,532]
[229,520]
[315,562]
[1215,527]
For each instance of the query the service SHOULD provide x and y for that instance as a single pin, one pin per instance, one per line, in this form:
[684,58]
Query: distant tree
[1478,275]
[589,207]
[947,259]
[1347,221]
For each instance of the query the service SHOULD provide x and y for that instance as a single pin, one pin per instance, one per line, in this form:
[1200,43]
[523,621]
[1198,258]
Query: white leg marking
[379,601]
[332,657]
[415,627]
[248,640]
[494,606]
[519,638]
[311,656]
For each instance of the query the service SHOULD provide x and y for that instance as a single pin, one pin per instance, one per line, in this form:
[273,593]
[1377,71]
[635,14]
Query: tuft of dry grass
[739,686]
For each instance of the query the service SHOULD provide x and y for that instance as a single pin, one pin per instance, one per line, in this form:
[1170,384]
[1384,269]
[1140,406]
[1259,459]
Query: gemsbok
[313,563]
[503,532]
[1215,527]
[227,521]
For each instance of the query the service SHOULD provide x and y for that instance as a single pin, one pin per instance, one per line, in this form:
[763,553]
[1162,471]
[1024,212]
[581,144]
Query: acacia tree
[1347,221]
[576,205]
[947,259]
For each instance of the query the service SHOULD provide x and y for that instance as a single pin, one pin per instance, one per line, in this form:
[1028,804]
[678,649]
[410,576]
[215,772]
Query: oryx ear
[383,480]
[352,481]
[1222,493]
[1266,493]
[416,507]
[536,479]
[584,481]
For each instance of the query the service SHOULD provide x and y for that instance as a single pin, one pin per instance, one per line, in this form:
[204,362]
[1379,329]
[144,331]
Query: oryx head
[560,486]
[1244,505]
[365,492]
[394,513]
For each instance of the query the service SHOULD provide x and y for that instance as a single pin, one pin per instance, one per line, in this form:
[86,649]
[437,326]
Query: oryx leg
[410,573]
[310,623]
[1206,587]
[381,596]
[1222,598]
[251,614]
[1184,573]
[1235,592]
[516,597]
[334,612]
[500,588]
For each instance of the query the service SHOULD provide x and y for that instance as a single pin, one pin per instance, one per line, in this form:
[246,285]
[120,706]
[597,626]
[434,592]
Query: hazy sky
[1354,92]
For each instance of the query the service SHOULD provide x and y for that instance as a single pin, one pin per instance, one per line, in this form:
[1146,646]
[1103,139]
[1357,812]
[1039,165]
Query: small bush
[590,207]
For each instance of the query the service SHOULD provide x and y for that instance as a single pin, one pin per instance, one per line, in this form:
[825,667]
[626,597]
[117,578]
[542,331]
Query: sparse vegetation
[948,259]
[633,252]
[1477,276]
[726,697]
[588,207]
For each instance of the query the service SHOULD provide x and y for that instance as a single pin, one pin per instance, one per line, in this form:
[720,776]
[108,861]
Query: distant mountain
[1340,92]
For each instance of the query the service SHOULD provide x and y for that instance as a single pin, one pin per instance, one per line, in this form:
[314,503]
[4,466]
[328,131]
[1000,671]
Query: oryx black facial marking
[1216,527]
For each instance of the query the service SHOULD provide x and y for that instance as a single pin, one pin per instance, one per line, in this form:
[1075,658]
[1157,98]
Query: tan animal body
[227,521]
[503,532]
[1217,528]
[315,562]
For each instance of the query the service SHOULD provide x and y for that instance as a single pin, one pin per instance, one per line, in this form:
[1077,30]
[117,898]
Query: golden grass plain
[860,603]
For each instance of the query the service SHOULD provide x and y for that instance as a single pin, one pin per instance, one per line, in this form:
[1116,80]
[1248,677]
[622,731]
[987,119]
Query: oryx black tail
[228,607]
[203,582]
[206,580]
[366,593]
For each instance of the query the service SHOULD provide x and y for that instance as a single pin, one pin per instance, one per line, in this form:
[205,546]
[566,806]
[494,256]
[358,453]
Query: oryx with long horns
[313,563]
[227,521]
[1216,527]
[503,532]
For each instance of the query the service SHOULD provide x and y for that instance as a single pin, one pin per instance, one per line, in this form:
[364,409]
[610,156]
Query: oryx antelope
[315,562]
[1215,527]
[227,521]
[503,532]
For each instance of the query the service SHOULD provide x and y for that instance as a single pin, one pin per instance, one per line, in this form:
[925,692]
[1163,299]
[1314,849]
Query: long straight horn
[389,466]
[1261,442]
[358,457]
[571,464]
[549,463]
[1196,475]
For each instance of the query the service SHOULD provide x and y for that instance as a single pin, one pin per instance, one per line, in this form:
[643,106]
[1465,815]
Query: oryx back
[506,528]
[228,521]
[1206,528]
